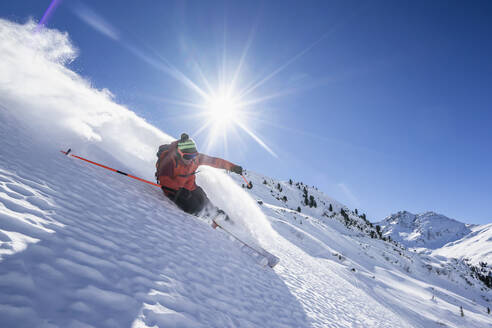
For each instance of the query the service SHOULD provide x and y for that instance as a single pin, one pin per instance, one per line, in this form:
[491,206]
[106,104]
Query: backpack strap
[187,175]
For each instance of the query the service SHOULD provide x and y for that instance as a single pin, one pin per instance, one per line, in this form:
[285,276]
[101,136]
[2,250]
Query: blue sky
[383,105]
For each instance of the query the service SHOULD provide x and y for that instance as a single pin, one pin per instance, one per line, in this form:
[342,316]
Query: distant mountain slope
[476,246]
[428,230]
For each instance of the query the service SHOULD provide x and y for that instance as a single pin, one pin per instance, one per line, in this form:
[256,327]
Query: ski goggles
[187,156]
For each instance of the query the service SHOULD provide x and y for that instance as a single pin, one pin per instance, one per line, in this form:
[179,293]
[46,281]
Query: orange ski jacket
[174,174]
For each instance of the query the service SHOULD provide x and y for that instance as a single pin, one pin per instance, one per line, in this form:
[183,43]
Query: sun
[226,111]
[222,110]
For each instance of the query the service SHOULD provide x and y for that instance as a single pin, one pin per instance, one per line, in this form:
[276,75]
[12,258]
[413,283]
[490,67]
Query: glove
[237,169]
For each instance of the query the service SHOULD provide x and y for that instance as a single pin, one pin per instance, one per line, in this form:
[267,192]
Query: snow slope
[475,246]
[102,251]
[83,247]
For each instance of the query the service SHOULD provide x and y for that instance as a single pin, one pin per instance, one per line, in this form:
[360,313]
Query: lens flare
[48,13]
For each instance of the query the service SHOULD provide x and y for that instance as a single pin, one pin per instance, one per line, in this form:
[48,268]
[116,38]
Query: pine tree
[298,209]
[311,201]
[345,217]
[378,230]
[461,311]
[356,212]
[330,208]
[290,182]
[488,310]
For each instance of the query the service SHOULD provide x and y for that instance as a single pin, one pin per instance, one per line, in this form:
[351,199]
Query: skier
[177,165]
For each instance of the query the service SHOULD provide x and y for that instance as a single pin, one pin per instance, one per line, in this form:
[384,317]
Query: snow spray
[236,202]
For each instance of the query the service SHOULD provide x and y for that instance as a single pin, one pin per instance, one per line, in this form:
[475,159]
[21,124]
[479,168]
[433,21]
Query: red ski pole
[109,168]
[248,184]
[68,153]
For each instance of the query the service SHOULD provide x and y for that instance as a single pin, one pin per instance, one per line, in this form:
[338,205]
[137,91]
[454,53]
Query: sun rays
[224,110]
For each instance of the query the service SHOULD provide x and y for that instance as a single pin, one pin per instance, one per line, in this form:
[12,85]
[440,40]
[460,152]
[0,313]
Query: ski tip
[66,152]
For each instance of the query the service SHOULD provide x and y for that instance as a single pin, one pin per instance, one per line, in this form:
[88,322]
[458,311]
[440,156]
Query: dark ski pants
[190,201]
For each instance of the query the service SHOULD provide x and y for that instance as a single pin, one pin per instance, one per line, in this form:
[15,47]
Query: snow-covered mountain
[437,234]
[84,247]
[428,230]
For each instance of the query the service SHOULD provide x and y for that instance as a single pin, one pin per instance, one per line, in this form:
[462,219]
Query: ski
[269,259]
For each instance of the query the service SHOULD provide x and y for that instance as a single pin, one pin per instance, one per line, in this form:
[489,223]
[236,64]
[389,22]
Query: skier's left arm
[219,163]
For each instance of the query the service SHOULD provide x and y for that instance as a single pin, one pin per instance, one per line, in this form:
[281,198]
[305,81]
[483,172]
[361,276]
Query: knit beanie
[186,145]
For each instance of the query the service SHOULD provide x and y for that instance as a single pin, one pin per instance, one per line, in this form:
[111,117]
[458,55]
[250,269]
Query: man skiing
[176,168]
